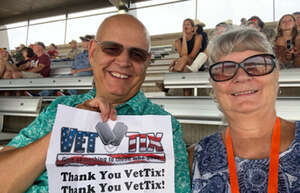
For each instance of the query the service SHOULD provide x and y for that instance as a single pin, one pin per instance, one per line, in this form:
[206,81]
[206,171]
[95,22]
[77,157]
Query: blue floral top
[210,171]
[138,105]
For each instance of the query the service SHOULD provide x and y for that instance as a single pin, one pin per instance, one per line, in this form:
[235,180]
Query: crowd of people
[35,62]
[257,152]
[193,56]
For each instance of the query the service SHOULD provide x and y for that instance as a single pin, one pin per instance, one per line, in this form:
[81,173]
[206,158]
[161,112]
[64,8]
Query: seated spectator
[52,52]
[74,50]
[18,55]
[7,69]
[188,46]
[256,23]
[199,63]
[81,65]
[243,21]
[287,42]
[297,17]
[39,65]
[28,56]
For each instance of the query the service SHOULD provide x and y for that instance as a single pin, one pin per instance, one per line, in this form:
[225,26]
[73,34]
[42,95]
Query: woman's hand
[100,104]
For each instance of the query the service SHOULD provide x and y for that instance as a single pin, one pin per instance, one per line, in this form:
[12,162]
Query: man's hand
[99,104]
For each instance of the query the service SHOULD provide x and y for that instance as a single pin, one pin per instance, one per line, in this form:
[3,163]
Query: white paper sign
[132,154]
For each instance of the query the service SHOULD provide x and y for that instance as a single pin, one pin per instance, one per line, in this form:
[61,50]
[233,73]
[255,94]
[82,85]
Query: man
[81,65]
[40,65]
[74,50]
[119,57]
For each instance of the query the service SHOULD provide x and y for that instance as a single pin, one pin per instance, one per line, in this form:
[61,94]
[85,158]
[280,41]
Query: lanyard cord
[274,161]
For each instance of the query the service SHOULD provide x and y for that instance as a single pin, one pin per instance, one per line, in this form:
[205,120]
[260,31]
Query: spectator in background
[188,47]
[287,42]
[200,62]
[7,69]
[74,50]
[256,23]
[18,55]
[39,65]
[81,65]
[297,17]
[28,55]
[52,52]
[243,21]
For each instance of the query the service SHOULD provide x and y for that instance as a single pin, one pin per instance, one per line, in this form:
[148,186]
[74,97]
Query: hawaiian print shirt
[138,105]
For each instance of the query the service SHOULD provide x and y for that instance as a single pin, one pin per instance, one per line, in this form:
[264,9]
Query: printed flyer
[132,154]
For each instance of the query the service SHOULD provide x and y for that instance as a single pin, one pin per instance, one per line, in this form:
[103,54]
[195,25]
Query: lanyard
[274,161]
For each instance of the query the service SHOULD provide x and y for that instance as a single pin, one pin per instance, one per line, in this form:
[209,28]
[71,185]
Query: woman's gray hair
[238,39]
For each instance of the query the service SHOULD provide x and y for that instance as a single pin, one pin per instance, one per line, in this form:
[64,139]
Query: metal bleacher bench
[191,110]
[203,110]
[55,83]
[287,78]
[17,106]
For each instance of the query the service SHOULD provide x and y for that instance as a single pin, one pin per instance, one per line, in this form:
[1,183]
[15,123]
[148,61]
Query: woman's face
[187,27]
[287,23]
[244,93]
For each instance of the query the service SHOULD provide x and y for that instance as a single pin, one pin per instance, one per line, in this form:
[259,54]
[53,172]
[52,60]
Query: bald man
[119,56]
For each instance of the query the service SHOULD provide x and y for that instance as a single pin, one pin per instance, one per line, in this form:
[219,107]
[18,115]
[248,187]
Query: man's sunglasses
[115,49]
[257,65]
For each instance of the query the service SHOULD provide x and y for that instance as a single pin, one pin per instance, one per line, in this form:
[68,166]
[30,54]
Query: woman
[28,55]
[244,76]
[287,42]
[52,52]
[188,47]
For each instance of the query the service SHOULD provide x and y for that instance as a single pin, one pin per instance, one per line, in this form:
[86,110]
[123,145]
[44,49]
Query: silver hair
[238,39]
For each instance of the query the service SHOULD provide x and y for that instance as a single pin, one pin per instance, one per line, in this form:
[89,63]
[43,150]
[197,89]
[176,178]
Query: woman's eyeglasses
[257,65]
[115,49]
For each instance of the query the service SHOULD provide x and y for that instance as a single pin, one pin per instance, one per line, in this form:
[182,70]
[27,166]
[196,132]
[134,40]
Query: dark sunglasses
[257,65]
[115,49]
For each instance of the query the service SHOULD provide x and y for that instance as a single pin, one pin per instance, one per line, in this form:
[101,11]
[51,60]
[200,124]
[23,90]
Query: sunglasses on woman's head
[115,49]
[257,65]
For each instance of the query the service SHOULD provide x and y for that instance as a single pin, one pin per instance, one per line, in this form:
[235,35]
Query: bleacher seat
[17,106]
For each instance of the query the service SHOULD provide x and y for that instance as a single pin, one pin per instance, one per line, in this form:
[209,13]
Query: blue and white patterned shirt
[210,169]
[138,105]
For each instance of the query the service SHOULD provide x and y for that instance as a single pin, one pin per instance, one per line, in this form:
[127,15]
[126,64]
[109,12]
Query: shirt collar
[136,103]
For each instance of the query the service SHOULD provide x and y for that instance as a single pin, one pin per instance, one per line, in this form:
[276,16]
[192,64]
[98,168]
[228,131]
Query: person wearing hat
[74,50]
[81,65]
